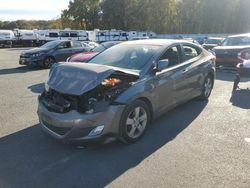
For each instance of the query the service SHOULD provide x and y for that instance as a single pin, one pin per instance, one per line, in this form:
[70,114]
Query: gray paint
[164,90]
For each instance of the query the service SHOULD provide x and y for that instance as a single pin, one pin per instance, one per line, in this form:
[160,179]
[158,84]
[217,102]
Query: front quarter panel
[141,89]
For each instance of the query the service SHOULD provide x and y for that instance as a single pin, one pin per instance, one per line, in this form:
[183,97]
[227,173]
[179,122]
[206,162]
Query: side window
[65,45]
[190,52]
[172,54]
[73,34]
[77,44]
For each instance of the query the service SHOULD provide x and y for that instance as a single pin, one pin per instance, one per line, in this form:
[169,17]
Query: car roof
[111,42]
[160,42]
[219,38]
[240,35]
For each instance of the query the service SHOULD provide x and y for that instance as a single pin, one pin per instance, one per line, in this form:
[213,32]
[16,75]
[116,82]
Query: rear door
[193,60]
[64,51]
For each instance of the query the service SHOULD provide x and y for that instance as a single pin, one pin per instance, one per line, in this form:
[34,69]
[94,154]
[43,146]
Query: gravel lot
[199,144]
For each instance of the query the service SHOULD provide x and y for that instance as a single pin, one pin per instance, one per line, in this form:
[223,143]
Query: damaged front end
[86,89]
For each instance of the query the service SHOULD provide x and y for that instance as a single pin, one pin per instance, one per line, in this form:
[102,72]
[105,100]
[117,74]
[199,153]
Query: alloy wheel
[136,122]
[208,87]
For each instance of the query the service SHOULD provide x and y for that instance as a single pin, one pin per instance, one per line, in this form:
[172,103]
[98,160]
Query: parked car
[85,56]
[212,42]
[118,92]
[92,44]
[244,55]
[227,53]
[51,52]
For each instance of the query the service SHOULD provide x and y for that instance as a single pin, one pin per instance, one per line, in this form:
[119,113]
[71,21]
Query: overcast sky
[31,9]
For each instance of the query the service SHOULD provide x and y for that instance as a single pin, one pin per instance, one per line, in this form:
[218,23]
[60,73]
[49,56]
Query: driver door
[168,82]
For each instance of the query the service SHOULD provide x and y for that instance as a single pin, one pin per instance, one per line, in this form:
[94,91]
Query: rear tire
[48,62]
[207,88]
[134,122]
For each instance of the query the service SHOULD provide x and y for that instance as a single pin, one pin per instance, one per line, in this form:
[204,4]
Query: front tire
[134,121]
[48,62]
[207,88]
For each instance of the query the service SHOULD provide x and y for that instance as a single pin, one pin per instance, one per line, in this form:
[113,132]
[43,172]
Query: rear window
[213,41]
[191,52]
[236,41]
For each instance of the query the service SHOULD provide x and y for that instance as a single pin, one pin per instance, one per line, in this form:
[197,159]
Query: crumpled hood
[76,78]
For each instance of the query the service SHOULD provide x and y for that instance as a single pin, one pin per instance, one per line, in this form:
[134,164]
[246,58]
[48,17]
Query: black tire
[207,88]
[139,125]
[48,62]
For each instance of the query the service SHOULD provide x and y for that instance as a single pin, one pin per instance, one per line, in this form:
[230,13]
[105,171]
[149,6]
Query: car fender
[140,89]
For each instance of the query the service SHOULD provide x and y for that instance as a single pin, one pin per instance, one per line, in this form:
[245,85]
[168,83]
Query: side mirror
[162,64]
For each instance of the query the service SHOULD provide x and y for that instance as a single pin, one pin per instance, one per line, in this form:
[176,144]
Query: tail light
[244,55]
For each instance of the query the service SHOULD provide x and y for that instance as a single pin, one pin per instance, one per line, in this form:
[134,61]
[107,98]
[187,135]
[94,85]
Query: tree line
[160,16]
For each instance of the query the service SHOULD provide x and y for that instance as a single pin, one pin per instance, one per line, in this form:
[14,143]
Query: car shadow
[22,69]
[241,98]
[29,158]
[37,88]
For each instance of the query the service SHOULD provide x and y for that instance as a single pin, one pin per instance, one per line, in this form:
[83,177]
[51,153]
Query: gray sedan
[51,52]
[121,90]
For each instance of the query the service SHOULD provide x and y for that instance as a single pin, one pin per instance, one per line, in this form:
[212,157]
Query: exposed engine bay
[93,101]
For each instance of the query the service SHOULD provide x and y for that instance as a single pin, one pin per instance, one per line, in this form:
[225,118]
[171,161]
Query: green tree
[82,14]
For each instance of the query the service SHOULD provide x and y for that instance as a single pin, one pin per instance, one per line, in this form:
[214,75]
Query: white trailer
[68,34]
[7,38]
[102,35]
[114,35]
[142,34]
[99,35]
[92,35]
[26,37]
[152,34]
[123,36]
[47,35]
[83,35]
[131,35]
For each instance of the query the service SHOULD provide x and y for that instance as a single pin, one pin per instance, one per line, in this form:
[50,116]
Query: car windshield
[127,56]
[236,41]
[213,41]
[51,44]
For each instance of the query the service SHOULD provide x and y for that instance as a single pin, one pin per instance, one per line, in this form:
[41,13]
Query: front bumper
[31,61]
[75,127]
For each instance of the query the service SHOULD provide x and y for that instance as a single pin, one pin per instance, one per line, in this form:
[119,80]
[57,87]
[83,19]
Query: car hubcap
[208,87]
[136,122]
